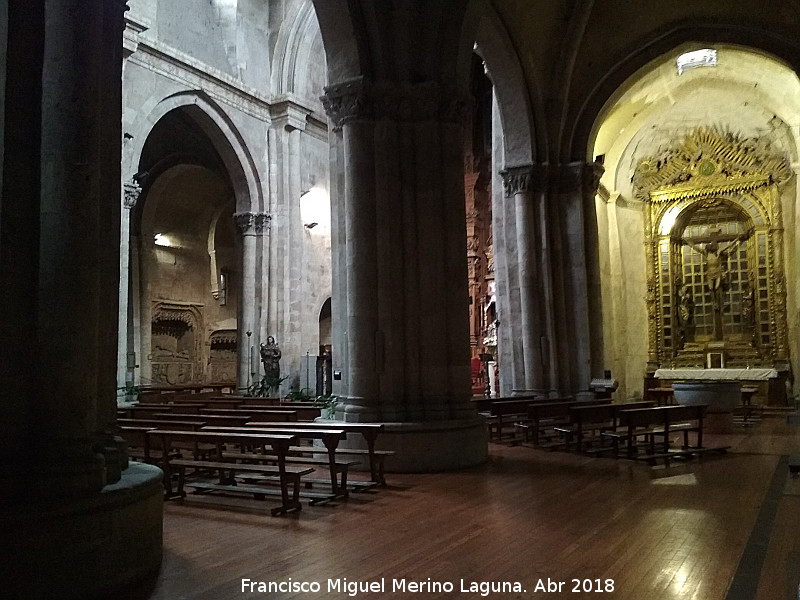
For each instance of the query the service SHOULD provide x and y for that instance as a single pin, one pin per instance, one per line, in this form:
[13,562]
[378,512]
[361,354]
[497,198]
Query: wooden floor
[526,515]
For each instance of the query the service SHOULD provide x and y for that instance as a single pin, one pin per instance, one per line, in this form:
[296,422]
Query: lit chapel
[440,292]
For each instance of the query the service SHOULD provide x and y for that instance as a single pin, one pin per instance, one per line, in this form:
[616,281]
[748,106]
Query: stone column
[130,195]
[518,185]
[65,477]
[547,249]
[404,237]
[250,226]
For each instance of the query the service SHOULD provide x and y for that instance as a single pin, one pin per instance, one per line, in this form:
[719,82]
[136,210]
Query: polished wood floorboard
[658,533]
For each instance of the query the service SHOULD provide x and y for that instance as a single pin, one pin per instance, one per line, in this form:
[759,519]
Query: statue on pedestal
[271,358]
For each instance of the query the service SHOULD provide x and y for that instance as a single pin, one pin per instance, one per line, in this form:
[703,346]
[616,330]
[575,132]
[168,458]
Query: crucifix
[715,247]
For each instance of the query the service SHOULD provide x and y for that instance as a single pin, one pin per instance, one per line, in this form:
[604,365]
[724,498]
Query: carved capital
[402,102]
[251,223]
[517,180]
[262,223]
[571,178]
[131,192]
[592,172]
[346,101]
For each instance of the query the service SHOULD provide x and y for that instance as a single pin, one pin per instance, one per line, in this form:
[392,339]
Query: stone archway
[238,166]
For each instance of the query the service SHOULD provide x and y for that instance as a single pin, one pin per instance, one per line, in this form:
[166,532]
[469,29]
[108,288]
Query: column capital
[525,179]
[395,101]
[578,176]
[131,192]
[252,223]
[517,180]
[346,101]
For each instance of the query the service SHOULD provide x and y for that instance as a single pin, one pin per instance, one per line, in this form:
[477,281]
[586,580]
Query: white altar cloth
[717,374]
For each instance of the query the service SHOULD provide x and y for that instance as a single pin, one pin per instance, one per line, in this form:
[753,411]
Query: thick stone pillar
[251,226]
[65,476]
[130,195]
[404,237]
[573,187]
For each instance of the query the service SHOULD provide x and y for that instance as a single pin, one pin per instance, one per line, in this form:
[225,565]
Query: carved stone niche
[175,344]
[714,243]
[222,356]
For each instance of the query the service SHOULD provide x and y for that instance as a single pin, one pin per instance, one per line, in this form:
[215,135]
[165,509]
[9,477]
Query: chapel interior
[426,205]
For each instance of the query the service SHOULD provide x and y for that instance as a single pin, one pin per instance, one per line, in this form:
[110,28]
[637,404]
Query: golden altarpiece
[716,294]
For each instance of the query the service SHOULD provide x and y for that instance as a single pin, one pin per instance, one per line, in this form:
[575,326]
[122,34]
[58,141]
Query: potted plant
[328,403]
[267,386]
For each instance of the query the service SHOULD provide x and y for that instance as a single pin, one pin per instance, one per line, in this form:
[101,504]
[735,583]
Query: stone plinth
[85,548]
[429,446]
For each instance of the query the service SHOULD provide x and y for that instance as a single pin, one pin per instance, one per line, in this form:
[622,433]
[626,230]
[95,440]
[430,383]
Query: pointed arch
[224,136]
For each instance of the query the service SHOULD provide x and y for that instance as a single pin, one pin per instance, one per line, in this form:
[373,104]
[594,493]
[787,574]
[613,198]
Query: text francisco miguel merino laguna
[353,588]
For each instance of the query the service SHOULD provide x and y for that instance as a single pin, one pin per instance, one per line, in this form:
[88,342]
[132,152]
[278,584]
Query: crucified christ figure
[715,248]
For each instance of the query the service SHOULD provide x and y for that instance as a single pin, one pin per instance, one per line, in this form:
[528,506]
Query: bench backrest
[676,414]
[162,424]
[548,410]
[354,427]
[642,417]
[223,437]
[592,413]
[208,418]
[265,414]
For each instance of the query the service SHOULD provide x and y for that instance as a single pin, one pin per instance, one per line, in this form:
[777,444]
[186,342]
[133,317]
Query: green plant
[328,403]
[129,390]
[268,385]
[298,395]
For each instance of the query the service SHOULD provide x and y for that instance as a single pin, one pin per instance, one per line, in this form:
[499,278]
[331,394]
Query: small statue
[271,358]
[685,313]
[748,304]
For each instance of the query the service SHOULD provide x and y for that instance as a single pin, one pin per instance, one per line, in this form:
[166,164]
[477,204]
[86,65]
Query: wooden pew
[145,411]
[138,442]
[659,421]
[262,414]
[209,418]
[369,431]
[593,418]
[541,415]
[329,436]
[173,424]
[279,443]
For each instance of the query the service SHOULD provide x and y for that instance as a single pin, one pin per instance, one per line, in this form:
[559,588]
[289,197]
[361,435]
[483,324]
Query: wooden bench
[253,475]
[590,420]
[659,421]
[259,414]
[542,415]
[304,456]
[278,442]
[329,436]
[209,418]
[369,431]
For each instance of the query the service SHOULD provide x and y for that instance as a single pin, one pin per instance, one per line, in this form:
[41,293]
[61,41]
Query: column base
[85,548]
[430,446]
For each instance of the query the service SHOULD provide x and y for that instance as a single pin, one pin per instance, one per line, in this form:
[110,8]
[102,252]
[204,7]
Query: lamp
[315,210]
